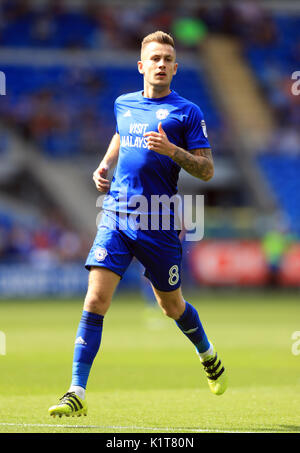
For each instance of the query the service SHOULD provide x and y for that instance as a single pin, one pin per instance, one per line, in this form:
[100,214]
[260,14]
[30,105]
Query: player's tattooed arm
[197,162]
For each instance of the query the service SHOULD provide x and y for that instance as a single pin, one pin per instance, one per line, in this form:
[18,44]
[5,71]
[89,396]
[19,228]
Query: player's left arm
[197,162]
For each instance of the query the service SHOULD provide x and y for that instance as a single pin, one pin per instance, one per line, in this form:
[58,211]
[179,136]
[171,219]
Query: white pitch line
[161,429]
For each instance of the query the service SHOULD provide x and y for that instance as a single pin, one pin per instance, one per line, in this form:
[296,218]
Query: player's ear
[140,67]
[175,68]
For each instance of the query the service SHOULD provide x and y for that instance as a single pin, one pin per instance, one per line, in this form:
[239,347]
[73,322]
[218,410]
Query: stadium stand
[66,111]
[62,65]
[273,63]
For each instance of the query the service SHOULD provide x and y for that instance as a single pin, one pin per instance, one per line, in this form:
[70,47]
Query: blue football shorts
[159,251]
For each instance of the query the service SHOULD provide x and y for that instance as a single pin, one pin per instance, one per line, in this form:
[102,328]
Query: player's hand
[158,141]
[100,178]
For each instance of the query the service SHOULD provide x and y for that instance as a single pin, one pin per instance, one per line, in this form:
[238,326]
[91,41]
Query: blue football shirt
[141,171]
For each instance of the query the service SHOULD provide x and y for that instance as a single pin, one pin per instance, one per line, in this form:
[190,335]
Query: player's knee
[172,309]
[96,303]
[169,312]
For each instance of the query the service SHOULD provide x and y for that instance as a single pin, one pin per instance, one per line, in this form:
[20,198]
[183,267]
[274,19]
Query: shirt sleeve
[195,129]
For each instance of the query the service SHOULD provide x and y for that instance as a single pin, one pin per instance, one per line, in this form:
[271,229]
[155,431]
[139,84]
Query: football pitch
[147,377]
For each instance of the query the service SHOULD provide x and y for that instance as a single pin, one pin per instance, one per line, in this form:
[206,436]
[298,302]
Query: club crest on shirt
[204,128]
[161,114]
[100,254]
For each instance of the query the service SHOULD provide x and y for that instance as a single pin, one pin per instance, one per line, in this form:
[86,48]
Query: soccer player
[158,132]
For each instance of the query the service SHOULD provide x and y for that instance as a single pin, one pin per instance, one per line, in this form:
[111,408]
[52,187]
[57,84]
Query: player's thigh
[101,287]
[161,254]
[171,302]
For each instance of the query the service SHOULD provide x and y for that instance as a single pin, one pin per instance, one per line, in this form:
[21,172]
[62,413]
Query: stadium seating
[81,100]
[278,59]
[85,99]
[282,173]
[273,65]
[34,29]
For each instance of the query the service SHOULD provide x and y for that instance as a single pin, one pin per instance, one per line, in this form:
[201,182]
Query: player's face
[158,64]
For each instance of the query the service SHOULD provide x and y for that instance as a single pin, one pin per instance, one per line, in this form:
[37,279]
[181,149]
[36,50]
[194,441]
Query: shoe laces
[66,396]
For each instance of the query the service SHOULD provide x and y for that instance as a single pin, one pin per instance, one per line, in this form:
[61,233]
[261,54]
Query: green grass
[147,377]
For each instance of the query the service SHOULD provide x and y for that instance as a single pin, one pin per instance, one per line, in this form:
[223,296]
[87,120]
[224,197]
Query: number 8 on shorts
[173,275]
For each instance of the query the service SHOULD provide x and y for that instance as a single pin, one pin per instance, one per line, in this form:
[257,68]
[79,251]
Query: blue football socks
[88,339]
[89,333]
[189,323]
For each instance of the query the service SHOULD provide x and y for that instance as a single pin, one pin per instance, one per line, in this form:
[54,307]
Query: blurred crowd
[54,125]
[103,24]
[63,117]
[46,242]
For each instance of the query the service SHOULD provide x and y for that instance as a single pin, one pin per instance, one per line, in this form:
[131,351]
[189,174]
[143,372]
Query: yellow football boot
[69,405]
[215,373]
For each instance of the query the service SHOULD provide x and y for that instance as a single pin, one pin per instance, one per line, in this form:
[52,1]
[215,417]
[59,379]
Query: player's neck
[155,92]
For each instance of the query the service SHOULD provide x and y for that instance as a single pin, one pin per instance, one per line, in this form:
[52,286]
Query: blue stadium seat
[76,96]
[282,173]
[65,30]
[280,53]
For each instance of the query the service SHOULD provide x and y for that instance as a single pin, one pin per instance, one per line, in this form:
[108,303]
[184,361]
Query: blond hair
[160,37]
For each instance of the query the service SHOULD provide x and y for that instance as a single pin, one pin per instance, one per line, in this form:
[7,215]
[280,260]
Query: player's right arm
[108,163]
